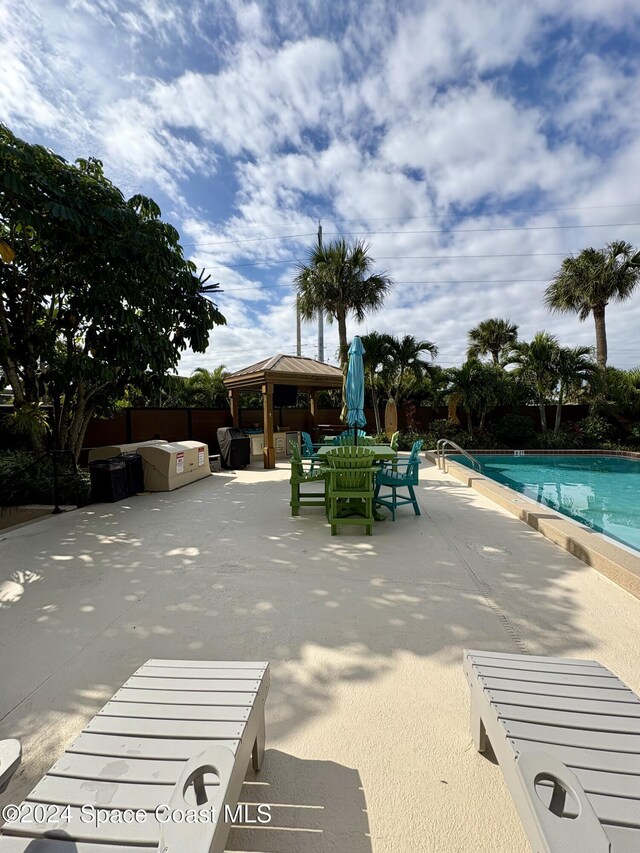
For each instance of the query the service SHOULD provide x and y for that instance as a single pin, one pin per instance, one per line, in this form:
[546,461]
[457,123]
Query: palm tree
[403,362]
[376,348]
[463,388]
[206,388]
[536,367]
[338,279]
[586,284]
[574,367]
[494,336]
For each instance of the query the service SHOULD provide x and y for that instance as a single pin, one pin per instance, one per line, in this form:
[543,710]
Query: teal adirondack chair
[309,449]
[346,439]
[399,475]
[350,485]
[301,475]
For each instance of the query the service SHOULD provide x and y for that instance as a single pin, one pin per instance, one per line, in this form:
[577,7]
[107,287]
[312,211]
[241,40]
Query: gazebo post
[268,450]
[234,400]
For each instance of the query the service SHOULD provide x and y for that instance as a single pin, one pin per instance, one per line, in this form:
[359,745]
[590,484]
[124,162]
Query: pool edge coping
[616,563]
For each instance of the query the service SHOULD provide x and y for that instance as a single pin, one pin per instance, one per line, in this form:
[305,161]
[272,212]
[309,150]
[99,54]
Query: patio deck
[368,743]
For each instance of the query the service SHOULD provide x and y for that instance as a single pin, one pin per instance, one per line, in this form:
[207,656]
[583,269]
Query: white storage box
[169,466]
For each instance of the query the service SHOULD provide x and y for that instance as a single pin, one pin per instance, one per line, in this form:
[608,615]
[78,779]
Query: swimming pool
[602,492]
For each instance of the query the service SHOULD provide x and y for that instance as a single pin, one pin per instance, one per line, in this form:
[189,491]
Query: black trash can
[135,474]
[108,480]
[235,447]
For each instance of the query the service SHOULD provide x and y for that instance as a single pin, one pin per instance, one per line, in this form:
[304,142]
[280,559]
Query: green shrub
[564,440]
[27,478]
[515,431]
[595,430]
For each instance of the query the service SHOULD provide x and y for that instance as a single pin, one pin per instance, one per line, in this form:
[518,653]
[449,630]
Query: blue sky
[472,143]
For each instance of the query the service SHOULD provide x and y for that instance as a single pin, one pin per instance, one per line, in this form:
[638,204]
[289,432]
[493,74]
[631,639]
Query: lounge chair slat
[589,759]
[139,727]
[119,746]
[542,667]
[612,784]
[185,697]
[629,708]
[505,656]
[207,675]
[212,686]
[151,710]
[219,664]
[603,680]
[107,769]
[573,737]
[568,719]
[584,692]
[620,811]
[64,790]
[51,845]
[623,839]
[142,833]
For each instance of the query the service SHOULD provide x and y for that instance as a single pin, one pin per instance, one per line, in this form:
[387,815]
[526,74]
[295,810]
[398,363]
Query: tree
[573,367]
[586,284]
[376,348]
[536,367]
[338,279]
[494,337]
[206,389]
[98,296]
[404,366]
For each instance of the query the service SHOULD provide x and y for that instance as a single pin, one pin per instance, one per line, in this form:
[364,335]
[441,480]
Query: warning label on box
[179,463]
[200,457]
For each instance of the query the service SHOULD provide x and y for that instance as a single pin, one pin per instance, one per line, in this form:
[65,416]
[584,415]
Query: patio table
[380,451]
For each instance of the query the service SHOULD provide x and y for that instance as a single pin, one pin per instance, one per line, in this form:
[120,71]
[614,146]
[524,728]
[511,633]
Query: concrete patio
[368,744]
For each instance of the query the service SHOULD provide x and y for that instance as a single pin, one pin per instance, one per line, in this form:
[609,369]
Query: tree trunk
[469,423]
[342,337]
[556,428]
[601,335]
[543,416]
[495,354]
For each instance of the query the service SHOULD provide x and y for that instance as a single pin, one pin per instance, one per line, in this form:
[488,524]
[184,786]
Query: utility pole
[320,312]
[298,329]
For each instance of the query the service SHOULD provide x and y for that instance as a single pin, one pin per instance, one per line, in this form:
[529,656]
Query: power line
[431,281]
[363,233]
[401,258]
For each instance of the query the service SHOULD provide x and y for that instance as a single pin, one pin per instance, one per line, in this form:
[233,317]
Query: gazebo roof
[283,369]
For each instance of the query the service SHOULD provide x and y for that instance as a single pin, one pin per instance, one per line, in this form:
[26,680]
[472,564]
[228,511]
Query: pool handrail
[440,454]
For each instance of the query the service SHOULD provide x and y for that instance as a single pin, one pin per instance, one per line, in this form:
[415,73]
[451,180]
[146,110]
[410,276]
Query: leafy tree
[536,367]
[206,389]
[403,365]
[615,392]
[338,279]
[376,347]
[587,283]
[573,367]
[494,337]
[463,388]
[98,296]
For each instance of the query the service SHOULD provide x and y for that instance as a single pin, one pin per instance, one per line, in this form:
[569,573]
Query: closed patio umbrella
[354,391]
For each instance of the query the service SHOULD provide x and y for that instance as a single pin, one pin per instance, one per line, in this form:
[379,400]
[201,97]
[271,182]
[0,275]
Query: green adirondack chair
[394,441]
[350,486]
[300,474]
[399,475]
[346,439]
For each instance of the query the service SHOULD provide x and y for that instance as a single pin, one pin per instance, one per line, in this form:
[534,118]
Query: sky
[471,143]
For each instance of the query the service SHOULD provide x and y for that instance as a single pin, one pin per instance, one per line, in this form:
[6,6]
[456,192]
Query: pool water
[602,492]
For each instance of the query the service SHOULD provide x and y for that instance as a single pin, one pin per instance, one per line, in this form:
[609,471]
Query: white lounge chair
[10,755]
[566,734]
[178,732]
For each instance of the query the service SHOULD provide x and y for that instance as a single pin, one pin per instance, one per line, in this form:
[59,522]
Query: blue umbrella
[355,388]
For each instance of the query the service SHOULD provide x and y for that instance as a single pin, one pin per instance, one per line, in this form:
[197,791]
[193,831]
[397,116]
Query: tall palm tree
[586,284]
[404,362]
[463,388]
[573,368]
[338,279]
[493,336]
[376,348]
[536,366]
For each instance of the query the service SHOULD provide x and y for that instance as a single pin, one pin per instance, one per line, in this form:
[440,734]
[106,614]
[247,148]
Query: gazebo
[282,376]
